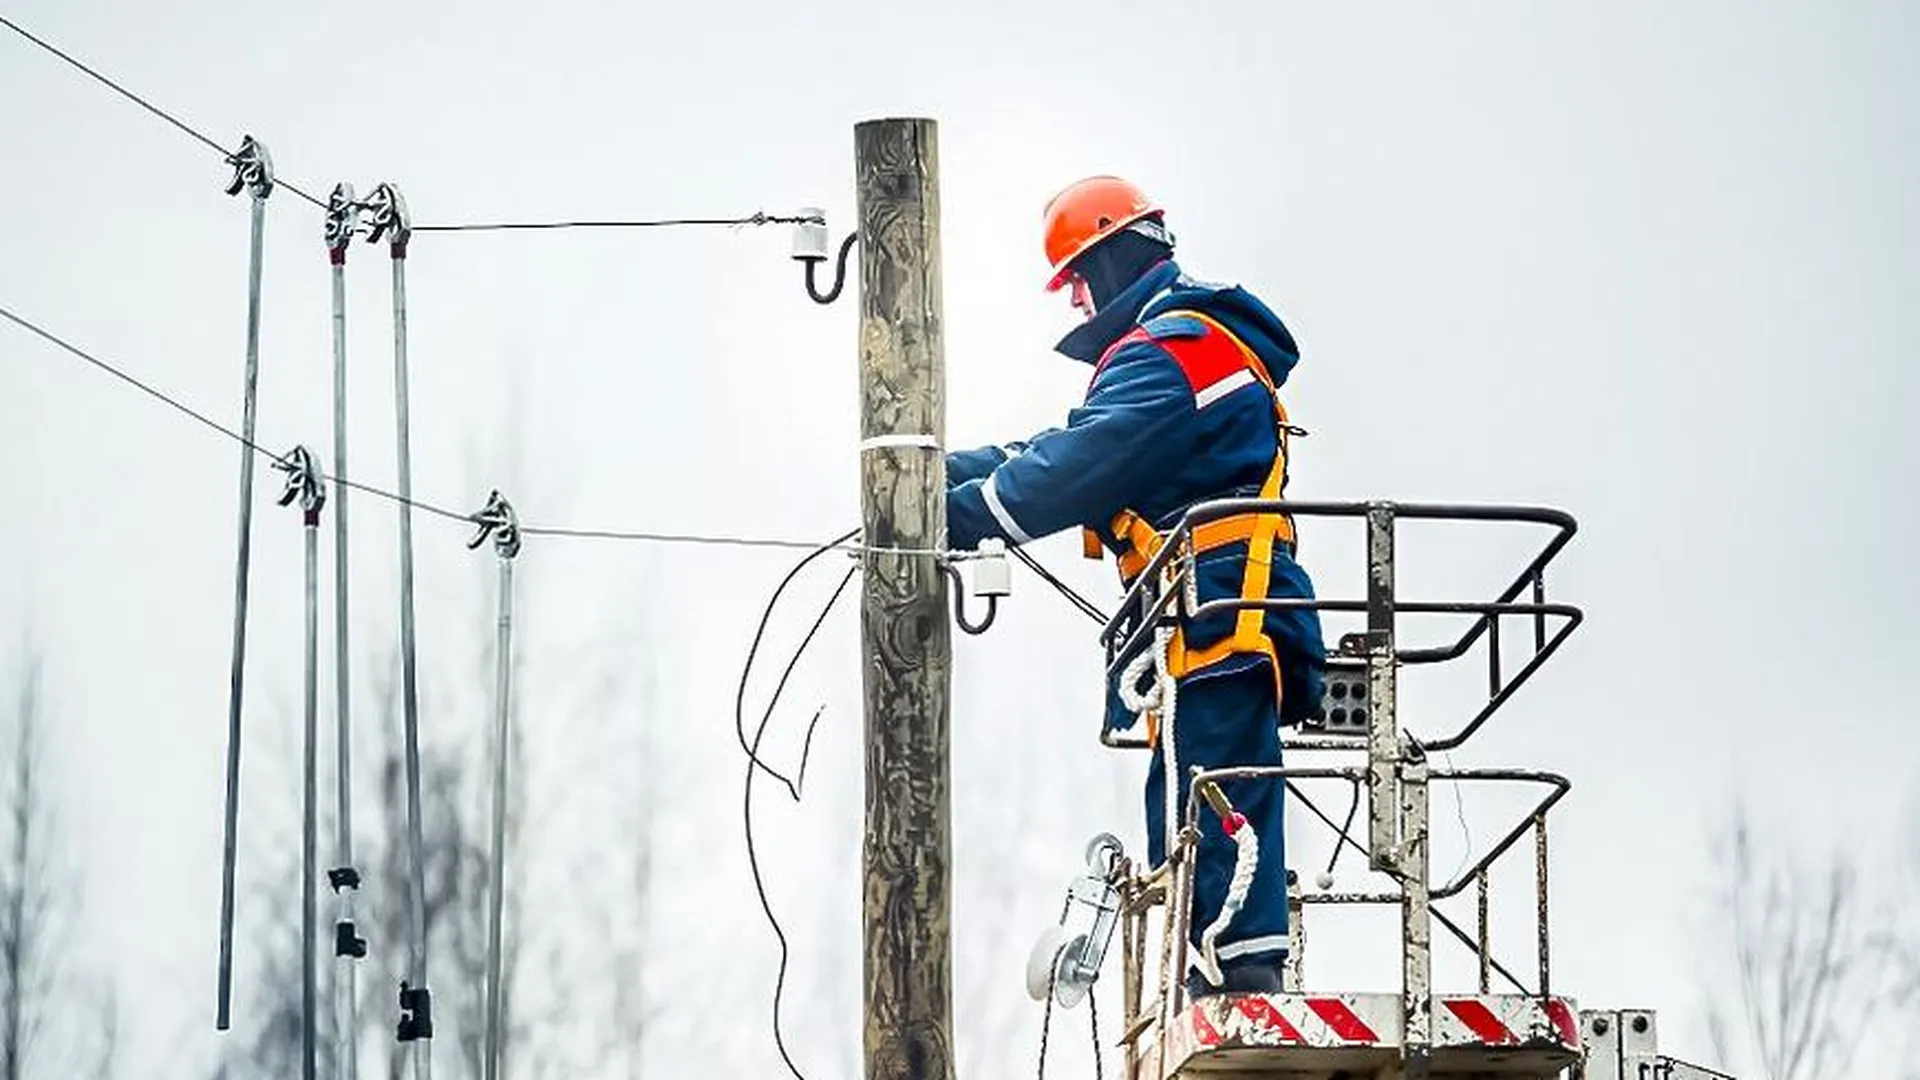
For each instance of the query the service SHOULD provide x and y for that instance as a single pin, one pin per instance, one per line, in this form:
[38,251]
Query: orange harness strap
[1141,542]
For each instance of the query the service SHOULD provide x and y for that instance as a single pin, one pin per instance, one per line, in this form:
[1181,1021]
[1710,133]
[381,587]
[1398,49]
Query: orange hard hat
[1087,212]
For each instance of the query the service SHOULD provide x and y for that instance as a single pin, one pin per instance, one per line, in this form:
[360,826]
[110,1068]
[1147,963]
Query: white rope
[1163,695]
[1140,702]
[1246,860]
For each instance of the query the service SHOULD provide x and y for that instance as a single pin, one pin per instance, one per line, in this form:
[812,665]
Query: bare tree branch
[23,893]
[1808,978]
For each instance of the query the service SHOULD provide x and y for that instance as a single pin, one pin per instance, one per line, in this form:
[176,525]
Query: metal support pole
[1416,915]
[1293,974]
[304,486]
[498,518]
[1383,726]
[253,173]
[1540,894]
[1484,944]
[342,222]
[389,219]
[907,976]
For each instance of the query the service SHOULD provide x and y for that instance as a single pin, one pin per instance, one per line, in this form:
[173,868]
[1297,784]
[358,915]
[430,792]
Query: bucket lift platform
[1323,1037]
[1522,1029]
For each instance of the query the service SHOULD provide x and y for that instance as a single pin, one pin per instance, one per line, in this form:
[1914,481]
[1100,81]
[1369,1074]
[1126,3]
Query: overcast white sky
[1649,262]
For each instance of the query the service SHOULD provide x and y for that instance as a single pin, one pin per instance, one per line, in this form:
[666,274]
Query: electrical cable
[119,374]
[755,765]
[1073,597]
[754,219]
[1460,811]
[156,110]
[703,539]
[740,696]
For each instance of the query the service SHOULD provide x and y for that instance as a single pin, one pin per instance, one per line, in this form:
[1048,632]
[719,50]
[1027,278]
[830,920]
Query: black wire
[960,605]
[694,538]
[145,104]
[740,695]
[1460,811]
[215,145]
[1064,589]
[76,350]
[1353,810]
[277,459]
[754,765]
[658,223]
[839,272]
[430,508]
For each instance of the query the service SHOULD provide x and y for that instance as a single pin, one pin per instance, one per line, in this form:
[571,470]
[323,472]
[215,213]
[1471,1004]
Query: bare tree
[270,1024]
[56,1017]
[1805,977]
[454,864]
[1899,942]
[25,899]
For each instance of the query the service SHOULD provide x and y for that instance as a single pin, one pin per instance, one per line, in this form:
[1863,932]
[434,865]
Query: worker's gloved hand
[973,464]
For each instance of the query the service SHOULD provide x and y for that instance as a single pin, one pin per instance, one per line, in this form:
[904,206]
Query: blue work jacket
[1157,432]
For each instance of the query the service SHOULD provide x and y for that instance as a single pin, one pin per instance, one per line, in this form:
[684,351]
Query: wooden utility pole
[905,635]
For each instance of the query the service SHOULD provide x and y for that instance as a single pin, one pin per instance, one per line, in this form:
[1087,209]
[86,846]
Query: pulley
[1067,957]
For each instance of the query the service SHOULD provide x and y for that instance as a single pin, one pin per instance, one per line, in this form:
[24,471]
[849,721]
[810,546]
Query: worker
[1182,407]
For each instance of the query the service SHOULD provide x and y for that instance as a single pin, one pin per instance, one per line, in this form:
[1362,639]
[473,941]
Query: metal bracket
[497,520]
[387,217]
[1624,1044]
[343,217]
[303,482]
[252,169]
[416,1013]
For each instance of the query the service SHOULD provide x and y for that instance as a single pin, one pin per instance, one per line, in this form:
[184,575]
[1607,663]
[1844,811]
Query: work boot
[1246,977]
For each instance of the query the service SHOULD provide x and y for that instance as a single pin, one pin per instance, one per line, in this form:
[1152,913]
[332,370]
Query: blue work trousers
[1228,720]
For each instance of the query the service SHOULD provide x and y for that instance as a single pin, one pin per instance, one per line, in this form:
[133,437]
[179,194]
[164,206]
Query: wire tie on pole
[252,169]
[303,482]
[497,520]
[343,220]
[387,217]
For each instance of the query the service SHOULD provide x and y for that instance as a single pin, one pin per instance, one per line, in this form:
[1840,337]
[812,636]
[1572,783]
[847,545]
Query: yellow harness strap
[1260,531]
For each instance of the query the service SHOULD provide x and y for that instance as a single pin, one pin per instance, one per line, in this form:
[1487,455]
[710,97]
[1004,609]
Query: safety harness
[1136,541]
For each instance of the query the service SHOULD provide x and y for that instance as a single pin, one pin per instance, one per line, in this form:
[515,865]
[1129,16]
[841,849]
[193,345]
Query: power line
[757,218]
[110,369]
[631,535]
[211,143]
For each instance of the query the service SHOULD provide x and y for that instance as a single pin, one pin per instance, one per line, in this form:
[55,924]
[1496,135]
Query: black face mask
[1110,266]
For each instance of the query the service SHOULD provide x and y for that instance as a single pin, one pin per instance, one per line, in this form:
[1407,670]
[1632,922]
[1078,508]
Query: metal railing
[1396,774]
[1165,590]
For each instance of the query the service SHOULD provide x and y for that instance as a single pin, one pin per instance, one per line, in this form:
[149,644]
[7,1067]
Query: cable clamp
[497,520]
[252,169]
[387,217]
[343,218]
[303,482]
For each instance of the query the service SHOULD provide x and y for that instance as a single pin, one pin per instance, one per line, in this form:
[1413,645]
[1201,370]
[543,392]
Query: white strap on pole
[896,441]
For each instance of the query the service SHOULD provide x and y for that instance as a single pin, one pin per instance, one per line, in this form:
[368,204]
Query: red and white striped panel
[1361,1020]
[1505,1020]
[1291,1020]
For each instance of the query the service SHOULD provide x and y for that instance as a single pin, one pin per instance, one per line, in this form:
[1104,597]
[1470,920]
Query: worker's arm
[1134,430]
[977,462]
